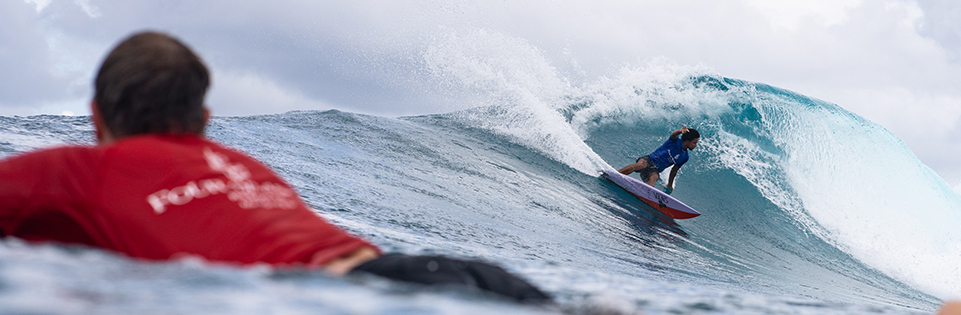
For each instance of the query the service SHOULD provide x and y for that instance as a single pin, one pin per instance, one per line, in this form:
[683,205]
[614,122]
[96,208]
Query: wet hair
[691,134]
[152,83]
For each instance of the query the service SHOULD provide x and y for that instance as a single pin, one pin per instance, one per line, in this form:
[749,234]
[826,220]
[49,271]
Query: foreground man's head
[151,83]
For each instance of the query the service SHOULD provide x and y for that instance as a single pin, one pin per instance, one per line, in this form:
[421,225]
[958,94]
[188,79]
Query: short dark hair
[691,134]
[152,83]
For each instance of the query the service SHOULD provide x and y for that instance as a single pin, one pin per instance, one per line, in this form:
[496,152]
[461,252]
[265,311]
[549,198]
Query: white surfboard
[651,196]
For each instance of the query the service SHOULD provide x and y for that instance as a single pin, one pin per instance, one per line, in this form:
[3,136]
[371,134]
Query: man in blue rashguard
[672,152]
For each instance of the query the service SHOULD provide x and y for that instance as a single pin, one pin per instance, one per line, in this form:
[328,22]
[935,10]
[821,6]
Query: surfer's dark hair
[152,83]
[691,134]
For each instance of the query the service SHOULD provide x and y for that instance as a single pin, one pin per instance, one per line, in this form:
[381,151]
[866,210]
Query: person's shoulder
[234,154]
[163,145]
[213,144]
[231,152]
[72,160]
[182,152]
[172,145]
[67,151]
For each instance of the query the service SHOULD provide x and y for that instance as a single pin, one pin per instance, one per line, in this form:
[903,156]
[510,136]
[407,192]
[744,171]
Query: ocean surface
[807,208]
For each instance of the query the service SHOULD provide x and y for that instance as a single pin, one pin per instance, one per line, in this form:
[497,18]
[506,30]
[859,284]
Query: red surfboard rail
[655,198]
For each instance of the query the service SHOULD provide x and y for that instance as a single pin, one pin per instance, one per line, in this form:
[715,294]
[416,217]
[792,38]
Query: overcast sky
[897,63]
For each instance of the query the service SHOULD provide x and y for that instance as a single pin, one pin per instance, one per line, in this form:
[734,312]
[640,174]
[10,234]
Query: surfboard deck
[651,196]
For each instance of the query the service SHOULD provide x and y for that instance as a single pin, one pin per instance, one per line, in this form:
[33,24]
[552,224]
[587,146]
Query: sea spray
[523,90]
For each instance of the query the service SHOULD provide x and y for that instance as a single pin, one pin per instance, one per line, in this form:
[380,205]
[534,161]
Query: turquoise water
[802,210]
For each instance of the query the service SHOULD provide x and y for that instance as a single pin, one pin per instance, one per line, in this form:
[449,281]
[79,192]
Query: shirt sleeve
[43,182]
[678,165]
[684,153]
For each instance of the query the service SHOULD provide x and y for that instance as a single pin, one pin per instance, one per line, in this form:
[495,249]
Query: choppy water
[807,209]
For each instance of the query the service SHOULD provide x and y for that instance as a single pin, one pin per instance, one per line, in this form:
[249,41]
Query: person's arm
[21,189]
[678,132]
[33,181]
[670,180]
[11,193]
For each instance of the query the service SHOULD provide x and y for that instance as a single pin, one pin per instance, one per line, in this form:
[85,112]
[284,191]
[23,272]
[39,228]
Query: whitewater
[806,208]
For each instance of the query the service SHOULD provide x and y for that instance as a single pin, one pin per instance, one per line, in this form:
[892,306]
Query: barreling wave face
[835,175]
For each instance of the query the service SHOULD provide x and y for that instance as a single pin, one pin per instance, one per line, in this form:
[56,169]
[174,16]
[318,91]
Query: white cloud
[40,4]
[790,14]
[91,10]
[239,94]
[940,22]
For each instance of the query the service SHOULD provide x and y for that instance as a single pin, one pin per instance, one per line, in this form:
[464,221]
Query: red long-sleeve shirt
[160,197]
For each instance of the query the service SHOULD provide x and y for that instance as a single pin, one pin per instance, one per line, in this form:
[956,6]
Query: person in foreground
[155,188]
[672,152]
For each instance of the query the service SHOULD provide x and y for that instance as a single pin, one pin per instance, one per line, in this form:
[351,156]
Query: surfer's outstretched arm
[678,132]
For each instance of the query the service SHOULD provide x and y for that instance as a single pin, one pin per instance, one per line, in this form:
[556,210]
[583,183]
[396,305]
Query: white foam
[523,89]
[654,91]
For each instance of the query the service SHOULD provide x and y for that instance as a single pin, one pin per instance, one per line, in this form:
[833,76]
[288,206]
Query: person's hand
[342,265]
[950,308]
[684,129]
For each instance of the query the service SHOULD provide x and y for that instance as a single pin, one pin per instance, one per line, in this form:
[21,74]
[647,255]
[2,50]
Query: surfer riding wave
[674,151]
